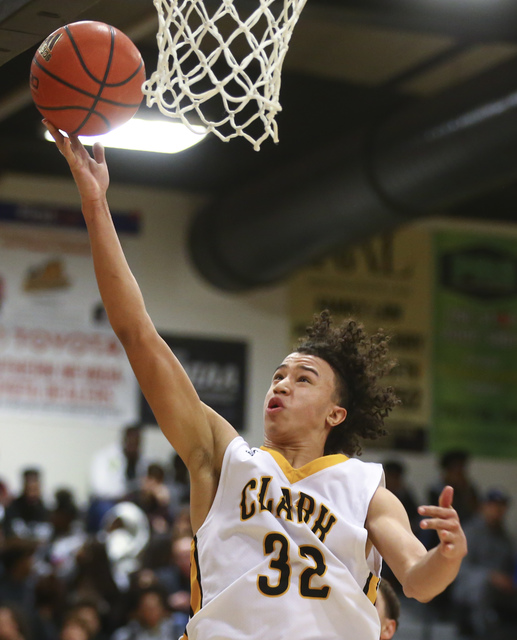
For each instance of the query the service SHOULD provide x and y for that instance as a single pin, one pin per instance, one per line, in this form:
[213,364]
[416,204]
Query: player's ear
[388,629]
[337,416]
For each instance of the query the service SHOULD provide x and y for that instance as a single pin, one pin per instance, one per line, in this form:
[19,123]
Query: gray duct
[425,159]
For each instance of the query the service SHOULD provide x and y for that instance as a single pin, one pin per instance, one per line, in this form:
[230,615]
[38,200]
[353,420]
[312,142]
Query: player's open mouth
[275,404]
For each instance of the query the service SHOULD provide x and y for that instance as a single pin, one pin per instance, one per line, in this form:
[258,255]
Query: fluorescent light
[147,135]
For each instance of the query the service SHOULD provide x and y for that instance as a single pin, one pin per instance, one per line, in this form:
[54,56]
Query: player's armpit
[205,474]
[222,433]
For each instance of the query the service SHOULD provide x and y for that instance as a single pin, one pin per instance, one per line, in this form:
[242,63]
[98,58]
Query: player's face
[302,396]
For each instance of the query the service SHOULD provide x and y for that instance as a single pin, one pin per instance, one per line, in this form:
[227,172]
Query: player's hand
[445,521]
[90,173]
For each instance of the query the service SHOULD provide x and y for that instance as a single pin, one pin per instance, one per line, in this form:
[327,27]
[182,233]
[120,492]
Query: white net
[220,63]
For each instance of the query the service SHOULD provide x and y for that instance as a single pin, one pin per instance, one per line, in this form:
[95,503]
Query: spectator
[388,608]
[395,474]
[88,611]
[115,472]
[49,597]
[454,466]
[153,498]
[176,578]
[454,472]
[484,591]
[151,618]
[27,516]
[68,534]
[74,628]
[5,500]
[93,580]
[12,625]
[181,525]
[17,581]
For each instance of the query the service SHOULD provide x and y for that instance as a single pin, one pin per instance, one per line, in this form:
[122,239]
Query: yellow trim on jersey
[196,595]
[373,585]
[294,475]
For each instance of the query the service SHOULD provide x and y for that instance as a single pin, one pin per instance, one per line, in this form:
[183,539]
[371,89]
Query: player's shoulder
[239,447]
[365,466]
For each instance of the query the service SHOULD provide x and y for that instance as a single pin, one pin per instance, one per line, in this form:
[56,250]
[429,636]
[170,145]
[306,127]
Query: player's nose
[282,386]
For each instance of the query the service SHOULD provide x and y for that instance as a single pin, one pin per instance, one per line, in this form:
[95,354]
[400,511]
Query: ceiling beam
[24,23]
[493,20]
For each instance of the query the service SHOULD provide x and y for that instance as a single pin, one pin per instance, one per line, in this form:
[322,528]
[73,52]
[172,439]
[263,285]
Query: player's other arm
[197,433]
[423,574]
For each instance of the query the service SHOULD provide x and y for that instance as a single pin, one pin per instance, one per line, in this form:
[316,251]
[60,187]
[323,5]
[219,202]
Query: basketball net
[221,67]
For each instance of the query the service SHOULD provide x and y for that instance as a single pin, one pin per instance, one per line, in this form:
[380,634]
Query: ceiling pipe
[419,161]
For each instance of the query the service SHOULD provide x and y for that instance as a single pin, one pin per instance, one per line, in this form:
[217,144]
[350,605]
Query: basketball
[86,78]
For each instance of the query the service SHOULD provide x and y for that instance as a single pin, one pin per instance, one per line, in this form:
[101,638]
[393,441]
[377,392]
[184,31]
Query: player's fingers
[99,153]
[431,511]
[440,524]
[452,539]
[453,543]
[59,138]
[446,497]
[53,130]
[77,146]
[449,549]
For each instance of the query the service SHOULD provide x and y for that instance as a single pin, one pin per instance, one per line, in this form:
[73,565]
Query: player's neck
[296,455]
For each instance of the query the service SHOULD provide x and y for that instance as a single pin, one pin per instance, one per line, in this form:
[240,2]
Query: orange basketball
[86,78]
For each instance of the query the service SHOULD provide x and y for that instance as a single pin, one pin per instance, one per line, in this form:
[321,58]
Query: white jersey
[281,553]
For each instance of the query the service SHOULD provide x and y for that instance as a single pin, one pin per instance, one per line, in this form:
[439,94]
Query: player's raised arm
[197,433]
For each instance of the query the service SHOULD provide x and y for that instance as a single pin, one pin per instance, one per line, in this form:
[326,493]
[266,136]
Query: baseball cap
[497,495]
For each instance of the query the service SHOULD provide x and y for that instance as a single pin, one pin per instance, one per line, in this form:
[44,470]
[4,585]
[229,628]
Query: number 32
[277,543]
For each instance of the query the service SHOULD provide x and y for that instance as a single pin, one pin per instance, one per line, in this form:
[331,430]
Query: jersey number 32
[277,545]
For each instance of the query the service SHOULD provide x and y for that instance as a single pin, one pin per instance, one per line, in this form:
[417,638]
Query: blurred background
[390,197]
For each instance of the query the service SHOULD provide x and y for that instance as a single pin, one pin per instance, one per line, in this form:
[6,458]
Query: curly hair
[359,360]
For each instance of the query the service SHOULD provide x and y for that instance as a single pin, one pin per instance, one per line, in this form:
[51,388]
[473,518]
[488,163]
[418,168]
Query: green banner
[475,344]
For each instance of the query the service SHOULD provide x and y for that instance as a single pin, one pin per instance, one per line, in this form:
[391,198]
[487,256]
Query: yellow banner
[384,283]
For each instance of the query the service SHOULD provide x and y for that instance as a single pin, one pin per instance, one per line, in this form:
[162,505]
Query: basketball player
[289,537]
[388,608]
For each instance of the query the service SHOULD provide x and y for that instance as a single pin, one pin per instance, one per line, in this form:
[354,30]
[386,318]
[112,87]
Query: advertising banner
[217,369]
[384,283]
[58,354]
[475,344]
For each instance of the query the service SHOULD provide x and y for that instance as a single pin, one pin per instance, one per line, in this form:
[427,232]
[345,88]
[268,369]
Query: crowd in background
[120,569]
[482,601]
